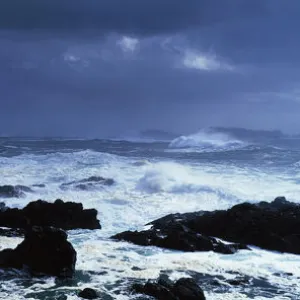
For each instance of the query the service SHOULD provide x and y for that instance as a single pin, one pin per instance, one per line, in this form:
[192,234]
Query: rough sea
[153,177]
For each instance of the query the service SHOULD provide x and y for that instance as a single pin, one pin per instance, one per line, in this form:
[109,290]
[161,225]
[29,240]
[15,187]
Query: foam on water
[143,192]
[144,189]
[207,140]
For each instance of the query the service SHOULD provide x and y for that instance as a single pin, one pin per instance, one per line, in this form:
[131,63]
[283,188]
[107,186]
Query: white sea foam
[207,140]
[142,193]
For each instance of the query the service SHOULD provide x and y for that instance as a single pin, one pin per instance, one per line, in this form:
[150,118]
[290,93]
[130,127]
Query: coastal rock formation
[272,226]
[45,250]
[164,289]
[88,183]
[174,235]
[88,294]
[65,215]
[15,232]
[11,191]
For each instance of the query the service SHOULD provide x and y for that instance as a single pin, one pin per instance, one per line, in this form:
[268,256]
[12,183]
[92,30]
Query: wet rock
[174,235]
[17,191]
[164,289]
[12,232]
[39,185]
[88,294]
[88,183]
[187,289]
[45,250]
[272,226]
[65,215]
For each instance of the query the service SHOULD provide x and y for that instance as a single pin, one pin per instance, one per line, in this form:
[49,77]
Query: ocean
[153,177]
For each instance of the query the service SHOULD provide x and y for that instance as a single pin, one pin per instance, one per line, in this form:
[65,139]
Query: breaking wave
[207,140]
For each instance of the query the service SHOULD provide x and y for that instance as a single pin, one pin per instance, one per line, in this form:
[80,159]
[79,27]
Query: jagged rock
[187,289]
[65,215]
[45,250]
[164,289]
[17,191]
[174,235]
[88,294]
[12,232]
[272,226]
[88,183]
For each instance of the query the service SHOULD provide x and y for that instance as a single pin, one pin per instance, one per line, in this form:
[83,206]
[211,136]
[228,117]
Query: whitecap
[207,140]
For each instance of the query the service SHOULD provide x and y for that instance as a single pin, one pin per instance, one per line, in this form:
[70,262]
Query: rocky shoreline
[60,214]
[271,226]
[45,249]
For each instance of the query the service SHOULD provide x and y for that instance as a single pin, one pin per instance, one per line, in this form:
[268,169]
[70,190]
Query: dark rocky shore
[64,215]
[272,226]
[45,249]
[165,289]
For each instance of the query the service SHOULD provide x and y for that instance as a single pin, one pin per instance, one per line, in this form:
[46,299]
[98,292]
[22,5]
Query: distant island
[244,133]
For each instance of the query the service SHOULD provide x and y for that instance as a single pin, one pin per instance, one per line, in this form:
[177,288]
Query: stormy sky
[106,67]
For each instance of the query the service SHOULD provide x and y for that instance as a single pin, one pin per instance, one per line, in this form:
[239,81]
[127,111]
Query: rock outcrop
[11,191]
[64,215]
[88,293]
[272,226]
[88,183]
[174,235]
[45,250]
[164,289]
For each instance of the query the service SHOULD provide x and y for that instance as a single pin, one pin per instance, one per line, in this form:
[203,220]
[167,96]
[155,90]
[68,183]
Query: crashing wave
[207,139]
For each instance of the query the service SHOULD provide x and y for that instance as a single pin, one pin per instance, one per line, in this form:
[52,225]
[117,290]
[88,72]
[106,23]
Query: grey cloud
[135,16]
[62,70]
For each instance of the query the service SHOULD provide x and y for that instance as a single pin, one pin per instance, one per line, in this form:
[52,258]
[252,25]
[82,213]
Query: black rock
[88,294]
[45,250]
[187,289]
[174,235]
[39,185]
[88,183]
[164,289]
[272,226]
[15,232]
[65,215]
[158,291]
[17,191]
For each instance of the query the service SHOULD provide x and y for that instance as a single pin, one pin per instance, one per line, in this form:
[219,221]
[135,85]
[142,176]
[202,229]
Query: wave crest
[207,140]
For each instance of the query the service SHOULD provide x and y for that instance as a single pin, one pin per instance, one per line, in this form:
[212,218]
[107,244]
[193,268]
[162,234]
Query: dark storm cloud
[95,68]
[134,16]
